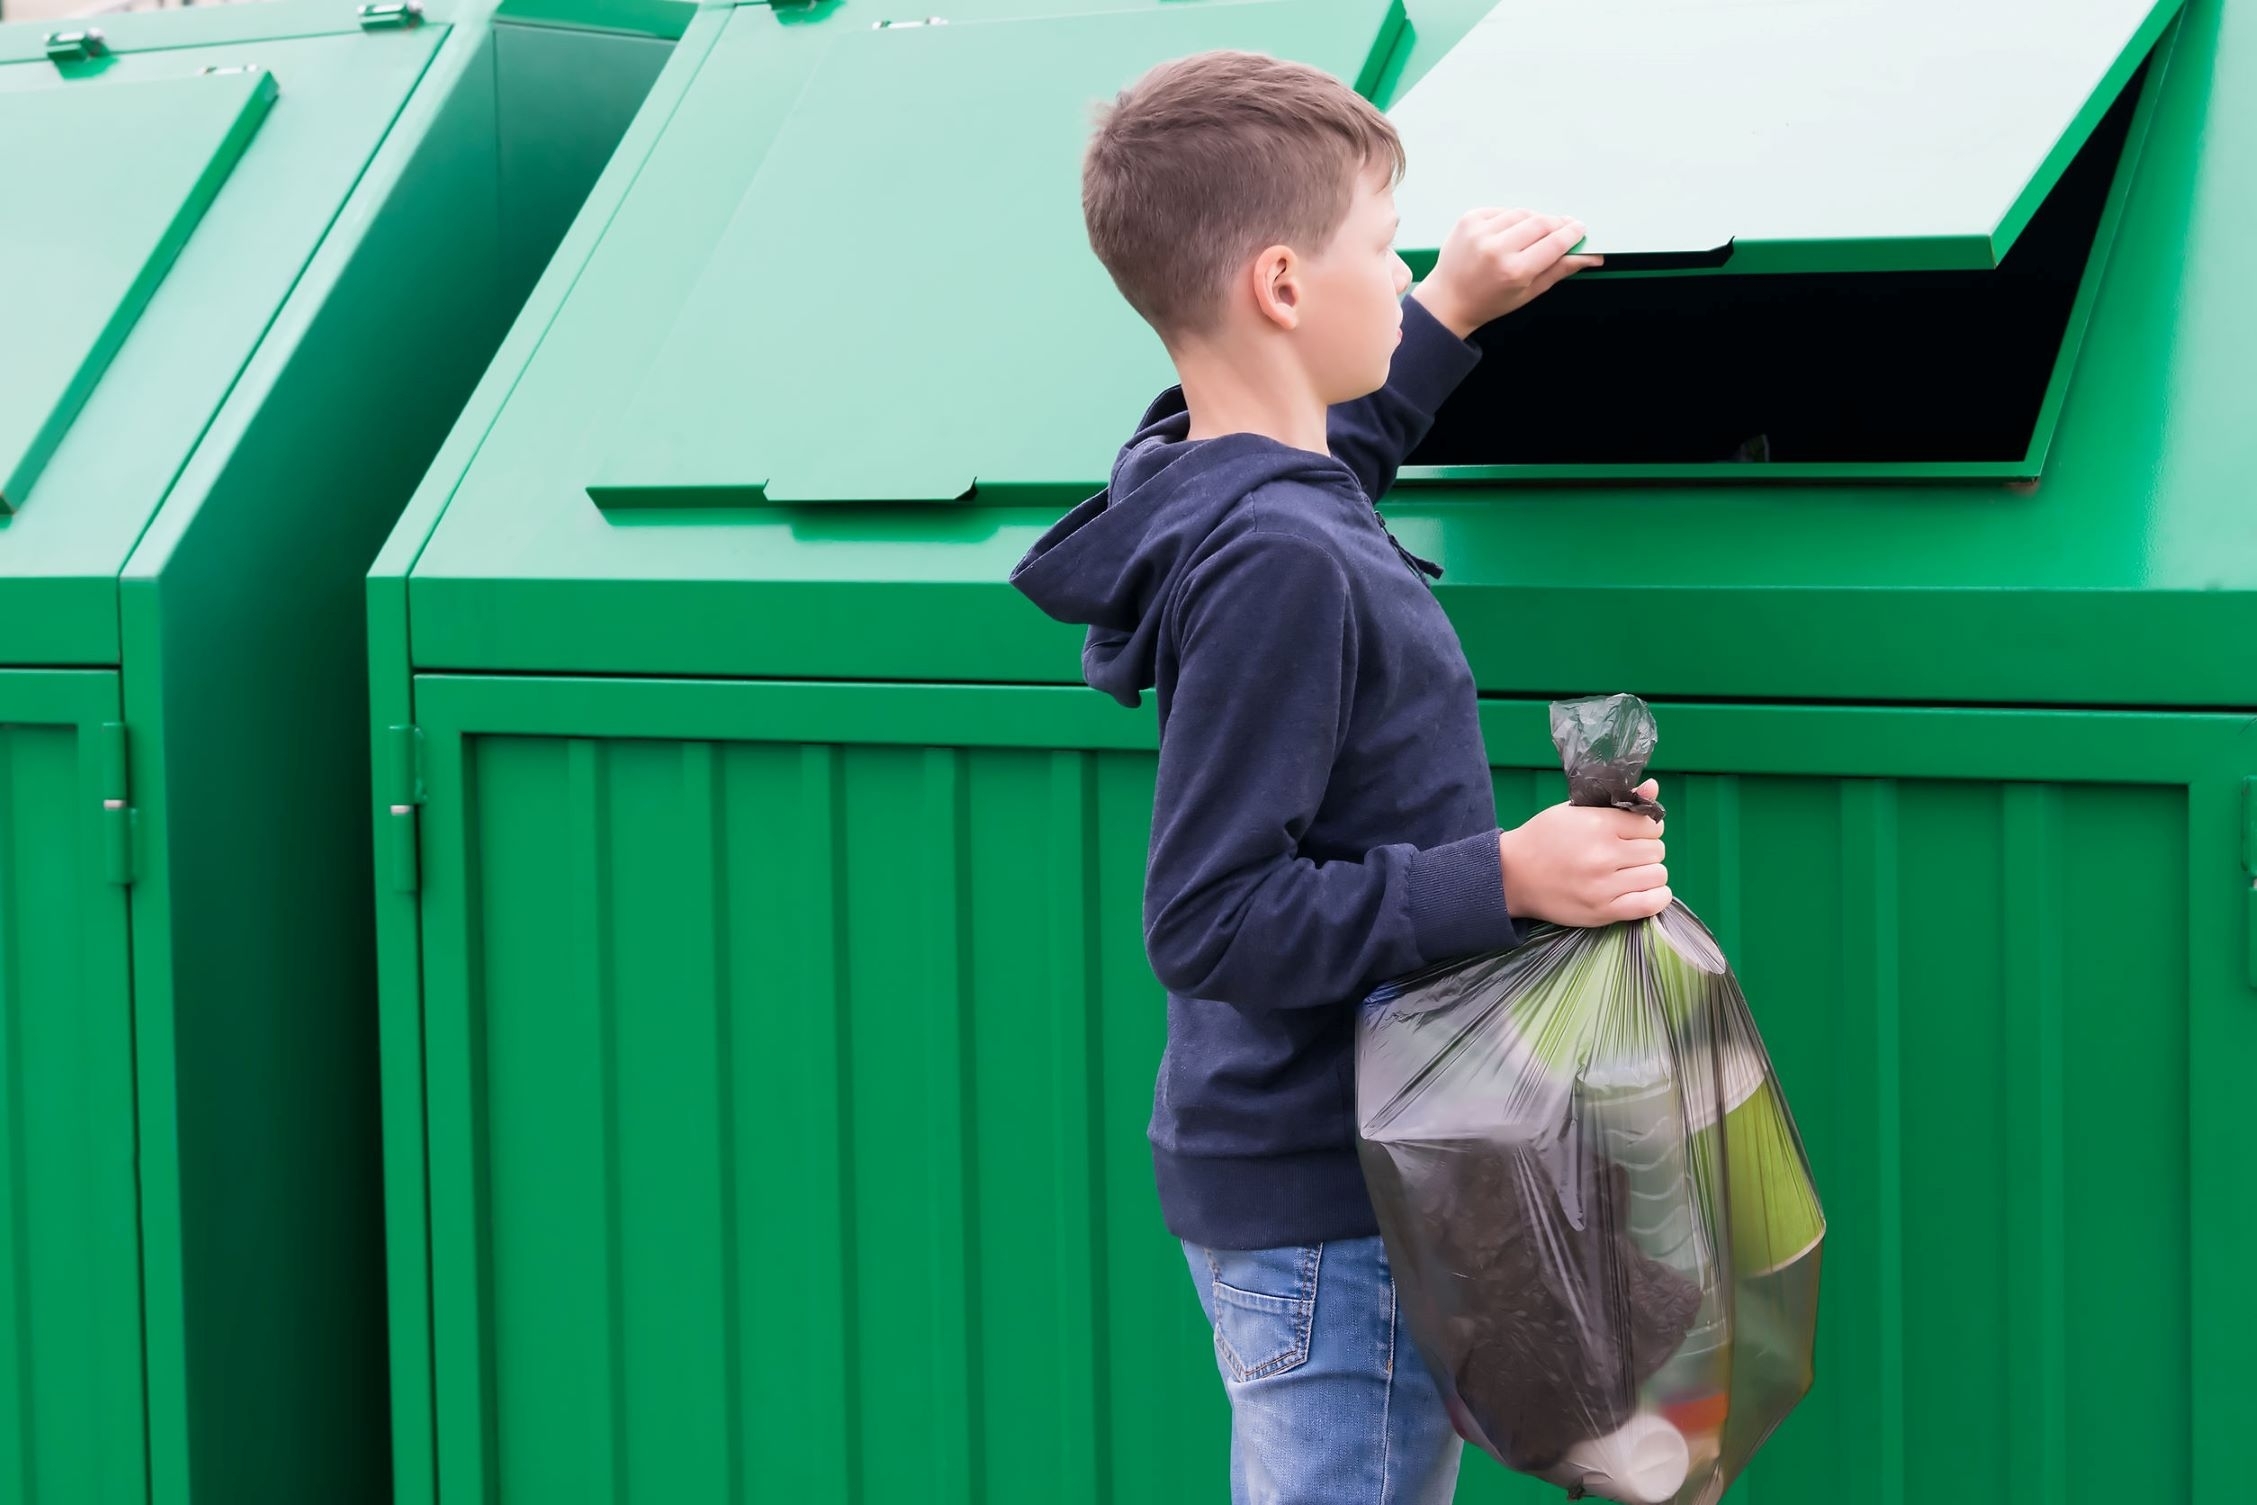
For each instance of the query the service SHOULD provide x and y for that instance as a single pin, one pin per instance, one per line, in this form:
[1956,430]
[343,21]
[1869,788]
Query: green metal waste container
[767,1035]
[251,262]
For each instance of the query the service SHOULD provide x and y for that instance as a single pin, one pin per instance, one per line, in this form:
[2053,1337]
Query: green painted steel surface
[949,243]
[789,1050]
[2003,955]
[567,95]
[81,258]
[399,791]
[60,556]
[1947,592]
[1847,135]
[277,399]
[665,20]
[70,1294]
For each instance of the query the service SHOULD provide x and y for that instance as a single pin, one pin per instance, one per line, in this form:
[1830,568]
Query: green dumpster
[763,995]
[251,262]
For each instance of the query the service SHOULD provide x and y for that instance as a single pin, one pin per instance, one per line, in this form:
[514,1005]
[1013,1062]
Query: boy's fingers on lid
[1563,238]
[1639,880]
[1522,233]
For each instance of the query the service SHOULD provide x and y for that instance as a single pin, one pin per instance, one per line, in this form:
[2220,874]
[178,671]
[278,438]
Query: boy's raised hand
[1497,260]
[1579,865]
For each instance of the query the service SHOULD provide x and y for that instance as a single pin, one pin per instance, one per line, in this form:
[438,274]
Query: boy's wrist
[1438,298]
[1507,843]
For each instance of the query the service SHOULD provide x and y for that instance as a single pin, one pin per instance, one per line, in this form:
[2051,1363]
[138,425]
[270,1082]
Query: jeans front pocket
[1265,1308]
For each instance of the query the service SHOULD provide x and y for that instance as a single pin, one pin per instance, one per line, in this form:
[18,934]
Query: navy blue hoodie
[1323,818]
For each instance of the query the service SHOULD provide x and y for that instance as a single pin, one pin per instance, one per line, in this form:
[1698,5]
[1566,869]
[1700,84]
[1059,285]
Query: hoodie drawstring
[1426,569]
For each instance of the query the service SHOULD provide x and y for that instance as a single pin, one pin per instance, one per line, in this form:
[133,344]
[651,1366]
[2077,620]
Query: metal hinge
[118,814]
[403,795]
[76,46]
[394,15]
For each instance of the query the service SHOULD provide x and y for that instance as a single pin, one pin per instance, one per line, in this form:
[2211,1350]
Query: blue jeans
[1330,1403]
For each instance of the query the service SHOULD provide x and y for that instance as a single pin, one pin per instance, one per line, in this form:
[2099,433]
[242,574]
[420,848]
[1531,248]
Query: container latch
[76,46]
[393,15]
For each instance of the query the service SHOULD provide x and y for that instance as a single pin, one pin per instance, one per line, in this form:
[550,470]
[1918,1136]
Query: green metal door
[790,1046]
[70,1292]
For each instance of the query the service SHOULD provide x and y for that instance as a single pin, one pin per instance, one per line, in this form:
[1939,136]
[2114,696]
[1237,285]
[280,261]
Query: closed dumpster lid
[904,306]
[162,198]
[85,248]
[1769,135]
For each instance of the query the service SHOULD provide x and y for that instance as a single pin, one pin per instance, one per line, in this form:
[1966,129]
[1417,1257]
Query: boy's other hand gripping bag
[1600,1217]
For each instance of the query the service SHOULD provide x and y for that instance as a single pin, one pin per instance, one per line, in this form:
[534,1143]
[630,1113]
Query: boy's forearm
[1234,910]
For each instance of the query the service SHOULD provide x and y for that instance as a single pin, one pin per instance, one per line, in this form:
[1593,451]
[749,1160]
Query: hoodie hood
[1111,564]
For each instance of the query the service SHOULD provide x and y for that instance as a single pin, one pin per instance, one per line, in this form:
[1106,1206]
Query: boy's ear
[1276,275]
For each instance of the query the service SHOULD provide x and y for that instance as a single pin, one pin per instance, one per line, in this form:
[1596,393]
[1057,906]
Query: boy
[1323,818]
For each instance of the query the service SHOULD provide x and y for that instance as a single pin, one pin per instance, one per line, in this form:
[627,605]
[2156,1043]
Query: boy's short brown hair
[1205,160]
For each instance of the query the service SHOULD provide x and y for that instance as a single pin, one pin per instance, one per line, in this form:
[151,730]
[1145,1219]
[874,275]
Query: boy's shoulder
[1289,515]
[1279,518]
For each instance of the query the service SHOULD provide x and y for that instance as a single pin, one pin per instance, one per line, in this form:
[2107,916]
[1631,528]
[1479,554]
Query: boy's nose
[1402,276]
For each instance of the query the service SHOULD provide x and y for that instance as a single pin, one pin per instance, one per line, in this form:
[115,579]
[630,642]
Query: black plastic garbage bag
[1600,1217]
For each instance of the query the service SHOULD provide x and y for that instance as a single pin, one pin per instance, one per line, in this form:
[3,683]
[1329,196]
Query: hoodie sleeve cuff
[1432,361]
[1458,900]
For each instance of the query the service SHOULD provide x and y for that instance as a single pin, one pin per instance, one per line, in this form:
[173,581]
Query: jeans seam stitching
[1387,1406]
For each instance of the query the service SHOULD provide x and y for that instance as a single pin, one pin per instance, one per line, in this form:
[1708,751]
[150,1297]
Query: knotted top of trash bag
[1605,743]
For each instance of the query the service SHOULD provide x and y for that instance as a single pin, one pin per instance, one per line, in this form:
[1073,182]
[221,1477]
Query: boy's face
[1352,314]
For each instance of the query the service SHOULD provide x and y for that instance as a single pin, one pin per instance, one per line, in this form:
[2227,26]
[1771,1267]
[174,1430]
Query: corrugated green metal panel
[70,1301]
[835,1156]
[808,1074]
[1995,1105]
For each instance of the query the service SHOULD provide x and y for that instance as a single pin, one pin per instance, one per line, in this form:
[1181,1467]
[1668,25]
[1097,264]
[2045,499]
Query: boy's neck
[1230,393]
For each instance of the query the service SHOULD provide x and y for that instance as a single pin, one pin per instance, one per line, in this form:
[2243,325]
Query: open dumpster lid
[904,306]
[86,246]
[1769,135]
